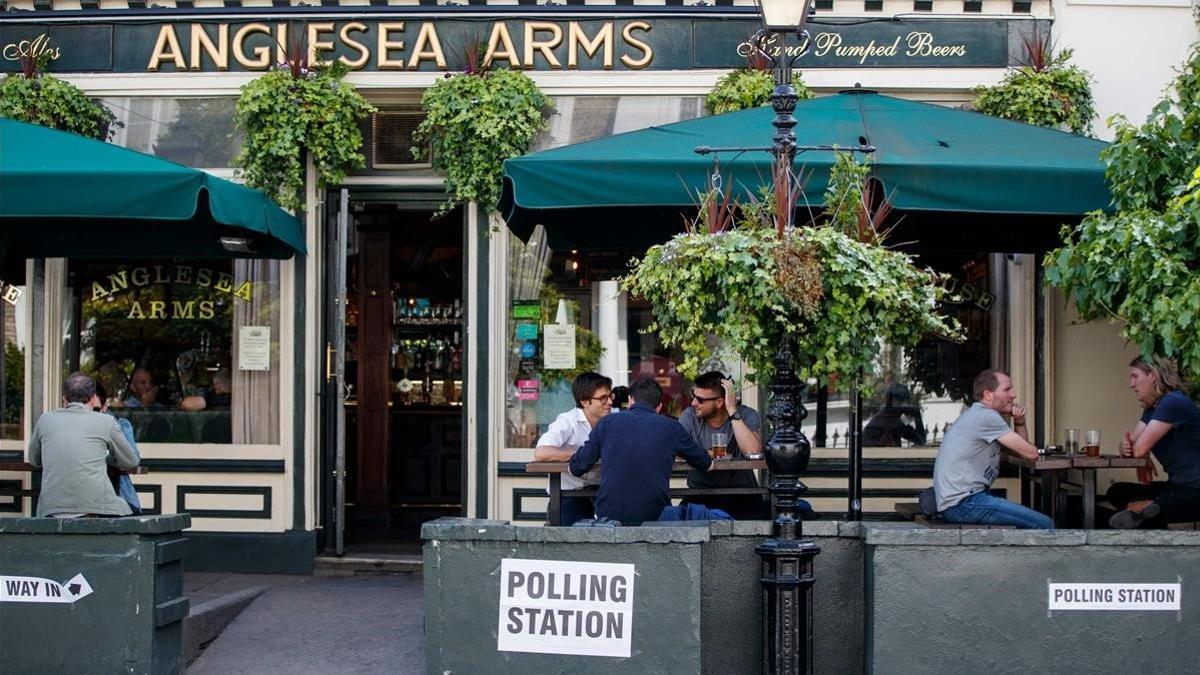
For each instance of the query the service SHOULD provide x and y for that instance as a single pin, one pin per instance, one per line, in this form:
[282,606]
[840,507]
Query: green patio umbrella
[938,163]
[65,195]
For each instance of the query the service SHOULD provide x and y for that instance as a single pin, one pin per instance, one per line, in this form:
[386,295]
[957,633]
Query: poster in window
[254,348]
[560,346]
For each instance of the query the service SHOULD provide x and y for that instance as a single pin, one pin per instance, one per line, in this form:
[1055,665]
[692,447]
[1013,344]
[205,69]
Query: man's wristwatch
[735,415]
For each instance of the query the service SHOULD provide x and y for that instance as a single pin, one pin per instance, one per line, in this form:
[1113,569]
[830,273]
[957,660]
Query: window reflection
[583,118]
[197,132]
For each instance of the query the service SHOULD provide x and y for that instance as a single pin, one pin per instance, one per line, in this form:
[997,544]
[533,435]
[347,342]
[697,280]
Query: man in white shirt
[568,431]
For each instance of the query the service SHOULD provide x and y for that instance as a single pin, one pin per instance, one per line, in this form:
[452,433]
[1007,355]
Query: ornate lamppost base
[787,579]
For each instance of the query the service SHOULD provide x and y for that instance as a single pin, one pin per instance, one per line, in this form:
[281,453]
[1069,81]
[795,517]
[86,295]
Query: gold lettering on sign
[315,44]
[499,35]
[647,52]
[37,47]
[920,43]
[532,44]
[363,54]
[262,54]
[219,52]
[577,38]
[427,47]
[385,44]
[281,41]
[166,47]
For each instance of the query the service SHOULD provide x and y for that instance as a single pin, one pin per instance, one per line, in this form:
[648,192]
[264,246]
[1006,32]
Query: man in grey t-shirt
[715,409]
[969,458]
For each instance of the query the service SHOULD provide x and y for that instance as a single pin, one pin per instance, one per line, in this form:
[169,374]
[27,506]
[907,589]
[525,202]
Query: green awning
[934,160]
[66,195]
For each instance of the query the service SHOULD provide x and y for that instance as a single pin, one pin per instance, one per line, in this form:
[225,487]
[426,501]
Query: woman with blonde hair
[1170,429]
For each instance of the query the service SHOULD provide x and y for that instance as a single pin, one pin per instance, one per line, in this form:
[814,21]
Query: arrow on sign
[37,589]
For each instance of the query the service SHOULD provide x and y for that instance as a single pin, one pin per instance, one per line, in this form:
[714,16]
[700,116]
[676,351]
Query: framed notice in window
[254,348]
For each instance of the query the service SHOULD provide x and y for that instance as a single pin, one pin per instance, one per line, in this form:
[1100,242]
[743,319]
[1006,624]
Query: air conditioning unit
[392,138]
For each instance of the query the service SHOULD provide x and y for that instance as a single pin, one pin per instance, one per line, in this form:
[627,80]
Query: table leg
[554,509]
[1026,482]
[1089,499]
[1049,496]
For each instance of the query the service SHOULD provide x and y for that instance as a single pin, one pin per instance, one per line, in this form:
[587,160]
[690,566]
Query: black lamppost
[787,561]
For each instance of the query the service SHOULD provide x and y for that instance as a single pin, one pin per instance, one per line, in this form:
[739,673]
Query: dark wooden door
[374,342]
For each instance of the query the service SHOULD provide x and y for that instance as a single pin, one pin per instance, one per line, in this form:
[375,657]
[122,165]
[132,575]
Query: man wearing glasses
[715,410]
[568,431]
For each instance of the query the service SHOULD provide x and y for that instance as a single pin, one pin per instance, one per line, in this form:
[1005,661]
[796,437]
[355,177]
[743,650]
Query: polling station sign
[1140,597]
[565,607]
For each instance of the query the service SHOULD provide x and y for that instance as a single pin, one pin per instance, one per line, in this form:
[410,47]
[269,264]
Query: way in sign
[37,589]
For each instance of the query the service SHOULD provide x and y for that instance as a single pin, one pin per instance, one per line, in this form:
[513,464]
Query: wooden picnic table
[553,471]
[1049,471]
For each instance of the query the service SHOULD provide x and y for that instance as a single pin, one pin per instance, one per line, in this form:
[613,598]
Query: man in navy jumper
[637,449]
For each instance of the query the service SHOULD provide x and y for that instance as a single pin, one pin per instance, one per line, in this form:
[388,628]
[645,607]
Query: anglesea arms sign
[399,44]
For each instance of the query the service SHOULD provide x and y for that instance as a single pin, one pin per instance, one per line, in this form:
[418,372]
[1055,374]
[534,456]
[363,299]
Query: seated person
[143,393]
[638,449]
[74,445]
[1170,429]
[620,398]
[121,482]
[969,459]
[568,431]
[888,426]
[715,409]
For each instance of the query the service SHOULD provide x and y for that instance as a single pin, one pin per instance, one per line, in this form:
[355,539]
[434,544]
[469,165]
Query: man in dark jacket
[637,450]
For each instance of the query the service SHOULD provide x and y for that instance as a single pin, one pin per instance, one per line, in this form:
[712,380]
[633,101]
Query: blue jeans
[573,509]
[986,509]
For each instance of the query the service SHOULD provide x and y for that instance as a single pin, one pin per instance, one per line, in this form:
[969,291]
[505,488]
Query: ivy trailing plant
[1140,264]
[35,97]
[1045,90]
[830,288]
[749,87]
[295,108]
[474,121]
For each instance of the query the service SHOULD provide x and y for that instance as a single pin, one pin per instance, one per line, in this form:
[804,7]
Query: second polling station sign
[566,607]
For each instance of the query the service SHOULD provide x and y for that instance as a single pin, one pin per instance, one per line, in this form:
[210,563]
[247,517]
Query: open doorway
[403,376]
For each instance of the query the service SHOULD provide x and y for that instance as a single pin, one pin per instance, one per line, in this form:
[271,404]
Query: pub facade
[395,372]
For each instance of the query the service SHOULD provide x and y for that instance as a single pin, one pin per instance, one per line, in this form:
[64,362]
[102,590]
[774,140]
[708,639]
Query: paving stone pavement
[315,624]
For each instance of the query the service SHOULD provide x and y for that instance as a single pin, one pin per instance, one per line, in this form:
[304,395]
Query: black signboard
[425,44]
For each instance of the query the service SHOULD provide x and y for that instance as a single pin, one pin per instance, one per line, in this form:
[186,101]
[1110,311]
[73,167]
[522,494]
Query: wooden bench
[912,511]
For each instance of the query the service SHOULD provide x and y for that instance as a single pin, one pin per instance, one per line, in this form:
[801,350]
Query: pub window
[13,305]
[545,286]
[197,132]
[188,351]
[583,118]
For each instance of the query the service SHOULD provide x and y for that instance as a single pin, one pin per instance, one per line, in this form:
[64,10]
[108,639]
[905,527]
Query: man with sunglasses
[568,431]
[714,410]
